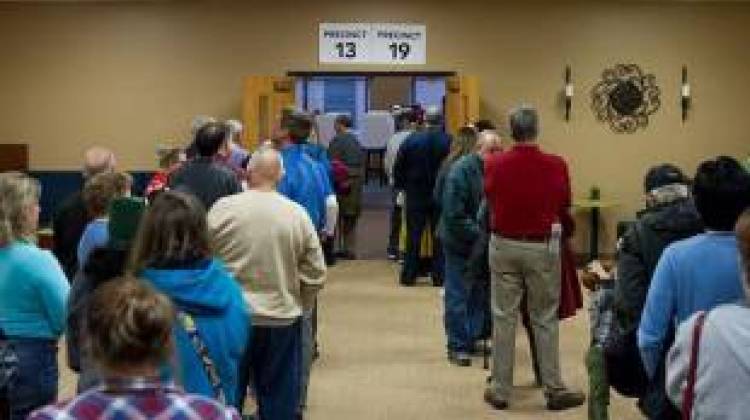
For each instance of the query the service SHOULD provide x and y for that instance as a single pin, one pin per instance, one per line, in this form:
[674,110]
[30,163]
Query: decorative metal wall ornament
[625,98]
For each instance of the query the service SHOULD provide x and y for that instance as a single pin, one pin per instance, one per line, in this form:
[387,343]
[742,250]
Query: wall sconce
[685,94]
[569,91]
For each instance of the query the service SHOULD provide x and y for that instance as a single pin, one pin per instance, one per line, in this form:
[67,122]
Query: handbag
[688,397]
[8,363]
[188,323]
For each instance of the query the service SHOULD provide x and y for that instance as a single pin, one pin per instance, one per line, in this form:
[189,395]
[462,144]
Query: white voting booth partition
[326,131]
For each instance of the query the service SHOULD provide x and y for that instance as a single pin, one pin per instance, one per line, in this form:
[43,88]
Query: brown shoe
[493,400]
[565,399]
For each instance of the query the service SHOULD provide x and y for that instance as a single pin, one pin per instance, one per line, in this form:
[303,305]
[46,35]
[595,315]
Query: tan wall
[129,75]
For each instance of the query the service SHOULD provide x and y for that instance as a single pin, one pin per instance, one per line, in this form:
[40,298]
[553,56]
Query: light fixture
[569,91]
[685,94]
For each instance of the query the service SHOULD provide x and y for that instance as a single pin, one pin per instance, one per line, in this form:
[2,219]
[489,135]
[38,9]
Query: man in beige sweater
[272,247]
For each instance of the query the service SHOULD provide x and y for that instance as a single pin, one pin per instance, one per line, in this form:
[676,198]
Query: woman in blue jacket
[172,252]
[33,290]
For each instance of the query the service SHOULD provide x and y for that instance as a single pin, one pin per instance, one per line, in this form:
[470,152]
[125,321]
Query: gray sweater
[723,373]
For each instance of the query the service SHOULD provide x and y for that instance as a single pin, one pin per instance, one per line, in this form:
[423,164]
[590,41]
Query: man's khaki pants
[534,268]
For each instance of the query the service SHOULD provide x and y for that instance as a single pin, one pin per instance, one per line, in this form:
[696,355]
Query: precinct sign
[372,43]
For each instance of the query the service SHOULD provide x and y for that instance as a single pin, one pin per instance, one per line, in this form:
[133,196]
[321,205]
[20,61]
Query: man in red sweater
[528,194]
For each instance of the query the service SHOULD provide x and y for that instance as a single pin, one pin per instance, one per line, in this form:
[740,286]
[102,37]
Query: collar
[135,384]
[720,233]
[526,146]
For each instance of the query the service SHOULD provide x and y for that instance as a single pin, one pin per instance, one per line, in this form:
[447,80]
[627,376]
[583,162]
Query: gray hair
[524,123]
[17,193]
[97,160]
[199,121]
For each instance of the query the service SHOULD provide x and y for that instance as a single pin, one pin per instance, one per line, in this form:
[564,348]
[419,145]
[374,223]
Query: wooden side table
[593,207]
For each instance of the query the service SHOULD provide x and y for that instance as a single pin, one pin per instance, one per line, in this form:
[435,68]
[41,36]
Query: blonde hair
[17,193]
[102,189]
[129,323]
[464,143]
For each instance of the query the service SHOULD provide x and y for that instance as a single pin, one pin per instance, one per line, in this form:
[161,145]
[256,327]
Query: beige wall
[131,74]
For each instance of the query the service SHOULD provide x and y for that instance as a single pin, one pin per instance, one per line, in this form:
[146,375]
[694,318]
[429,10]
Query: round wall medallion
[625,98]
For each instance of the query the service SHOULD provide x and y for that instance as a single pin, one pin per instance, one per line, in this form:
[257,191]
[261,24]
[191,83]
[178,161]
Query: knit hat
[124,216]
[661,175]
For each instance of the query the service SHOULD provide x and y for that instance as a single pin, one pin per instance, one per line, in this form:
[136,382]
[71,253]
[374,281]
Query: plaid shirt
[139,398]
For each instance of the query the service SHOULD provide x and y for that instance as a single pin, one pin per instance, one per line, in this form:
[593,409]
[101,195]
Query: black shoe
[408,283]
[346,255]
[459,358]
[493,400]
[565,399]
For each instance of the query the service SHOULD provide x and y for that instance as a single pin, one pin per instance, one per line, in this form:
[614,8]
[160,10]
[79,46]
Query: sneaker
[459,358]
[496,402]
[565,399]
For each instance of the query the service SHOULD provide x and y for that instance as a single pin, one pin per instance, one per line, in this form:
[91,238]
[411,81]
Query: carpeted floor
[383,357]
[383,348]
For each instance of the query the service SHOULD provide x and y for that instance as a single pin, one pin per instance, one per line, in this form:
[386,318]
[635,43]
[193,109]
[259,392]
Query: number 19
[400,51]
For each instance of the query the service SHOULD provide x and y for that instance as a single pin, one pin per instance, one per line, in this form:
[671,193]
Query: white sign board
[372,43]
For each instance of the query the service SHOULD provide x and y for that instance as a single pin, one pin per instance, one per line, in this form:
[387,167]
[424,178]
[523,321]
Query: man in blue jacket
[415,172]
[701,272]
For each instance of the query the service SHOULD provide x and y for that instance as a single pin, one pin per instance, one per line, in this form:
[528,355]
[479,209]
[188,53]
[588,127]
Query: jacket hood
[199,290]
[677,217]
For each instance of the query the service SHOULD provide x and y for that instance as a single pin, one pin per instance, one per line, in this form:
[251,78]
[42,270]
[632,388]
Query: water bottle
[555,238]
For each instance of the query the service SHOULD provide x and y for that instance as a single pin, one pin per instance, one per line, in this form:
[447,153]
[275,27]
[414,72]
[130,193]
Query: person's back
[416,169]
[347,149]
[670,215]
[204,177]
[172,253]
[701,272]
[128,332]
[723,370]
[719,357]
[70,218]
[300,182]
[210,296]
[527,190]
[263,237]
[271,245]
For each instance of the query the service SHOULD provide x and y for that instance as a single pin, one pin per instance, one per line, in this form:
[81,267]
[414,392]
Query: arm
[52,288]
[458,222]
[332,215]
[399,168]
[632,282]
[657,314]
[678,361]
[311,264]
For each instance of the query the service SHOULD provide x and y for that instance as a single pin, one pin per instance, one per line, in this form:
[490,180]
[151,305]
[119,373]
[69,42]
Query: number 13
[346,49]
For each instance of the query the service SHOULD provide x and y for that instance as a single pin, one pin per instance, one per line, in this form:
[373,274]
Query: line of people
[239,267]
[498,246]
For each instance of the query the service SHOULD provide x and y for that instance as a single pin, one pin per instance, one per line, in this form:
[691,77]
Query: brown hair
[102,188]
[17,193]
[464,143]
[129,324]
[742,230]
[168,156]
[173,232]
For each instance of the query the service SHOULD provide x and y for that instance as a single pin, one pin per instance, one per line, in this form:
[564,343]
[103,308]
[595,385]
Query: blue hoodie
[209,293]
